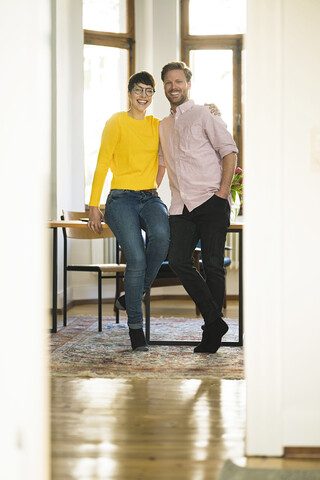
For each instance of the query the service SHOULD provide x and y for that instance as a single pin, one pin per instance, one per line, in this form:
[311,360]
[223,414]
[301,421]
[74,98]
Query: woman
[129,147]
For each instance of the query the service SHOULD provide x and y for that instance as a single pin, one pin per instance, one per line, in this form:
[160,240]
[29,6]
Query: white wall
[282,176]
[68,143]
[69,105]
[301,226]
[25,98]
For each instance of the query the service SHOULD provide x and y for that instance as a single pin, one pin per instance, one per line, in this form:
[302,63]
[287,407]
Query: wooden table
[55,224]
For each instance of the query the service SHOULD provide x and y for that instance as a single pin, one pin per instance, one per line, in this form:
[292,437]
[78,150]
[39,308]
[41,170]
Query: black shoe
[211,337]
[138,341]
[121,302]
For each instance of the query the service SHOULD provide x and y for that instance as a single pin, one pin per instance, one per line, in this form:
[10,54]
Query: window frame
[217,42]
[117,40]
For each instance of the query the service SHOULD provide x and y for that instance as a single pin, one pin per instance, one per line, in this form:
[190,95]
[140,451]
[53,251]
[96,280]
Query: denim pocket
[115,193]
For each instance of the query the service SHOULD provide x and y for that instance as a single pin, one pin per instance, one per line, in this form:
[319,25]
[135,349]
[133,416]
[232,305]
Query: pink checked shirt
[193,144]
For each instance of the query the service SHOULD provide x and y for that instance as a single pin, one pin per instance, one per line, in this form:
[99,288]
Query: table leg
[147,303]
[240,289]
[54,281]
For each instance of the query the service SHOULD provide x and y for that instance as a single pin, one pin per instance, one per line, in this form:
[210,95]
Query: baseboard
[94,301]
[303,453]
[88,301]
[170,297]
[185,297]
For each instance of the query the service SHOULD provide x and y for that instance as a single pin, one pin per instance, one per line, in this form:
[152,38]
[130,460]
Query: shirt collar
[183,108]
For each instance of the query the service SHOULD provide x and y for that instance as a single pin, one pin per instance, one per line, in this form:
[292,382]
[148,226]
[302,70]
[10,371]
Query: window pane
[217,17]
[105,93]
[105,15]
[212,80]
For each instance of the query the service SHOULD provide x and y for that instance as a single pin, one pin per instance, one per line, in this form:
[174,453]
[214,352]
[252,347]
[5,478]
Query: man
[200,156]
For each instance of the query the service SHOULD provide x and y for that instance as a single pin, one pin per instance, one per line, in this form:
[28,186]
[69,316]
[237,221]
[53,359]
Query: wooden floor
[150,429]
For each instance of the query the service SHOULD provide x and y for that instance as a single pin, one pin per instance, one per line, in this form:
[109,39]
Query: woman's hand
[95,219]
[213,109]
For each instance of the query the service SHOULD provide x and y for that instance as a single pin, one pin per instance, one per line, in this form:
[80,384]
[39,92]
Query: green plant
[236,186]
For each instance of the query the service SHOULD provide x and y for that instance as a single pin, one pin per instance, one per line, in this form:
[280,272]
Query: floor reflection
[145,428]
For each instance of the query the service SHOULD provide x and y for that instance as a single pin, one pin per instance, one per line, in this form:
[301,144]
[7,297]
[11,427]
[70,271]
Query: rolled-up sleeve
[219,137]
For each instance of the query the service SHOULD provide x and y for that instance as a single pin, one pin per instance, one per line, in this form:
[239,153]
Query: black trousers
[209,223]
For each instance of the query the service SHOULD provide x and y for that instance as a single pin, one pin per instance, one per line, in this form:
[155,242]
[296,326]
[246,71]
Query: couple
[200,157]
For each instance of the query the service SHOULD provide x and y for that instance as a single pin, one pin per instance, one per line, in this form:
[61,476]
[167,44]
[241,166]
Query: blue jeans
[209,223]
[127,213]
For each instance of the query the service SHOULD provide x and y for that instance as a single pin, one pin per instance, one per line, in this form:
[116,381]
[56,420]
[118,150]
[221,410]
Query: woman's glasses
[148,91]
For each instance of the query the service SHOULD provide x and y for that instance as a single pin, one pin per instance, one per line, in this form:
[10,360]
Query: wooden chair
[103,270]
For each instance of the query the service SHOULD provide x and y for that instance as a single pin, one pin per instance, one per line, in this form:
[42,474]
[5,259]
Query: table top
[70,223]
[81,224]
[236,225]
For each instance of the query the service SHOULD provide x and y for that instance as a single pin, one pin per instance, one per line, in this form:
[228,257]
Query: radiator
[233,242]
[103,251]
[110,250]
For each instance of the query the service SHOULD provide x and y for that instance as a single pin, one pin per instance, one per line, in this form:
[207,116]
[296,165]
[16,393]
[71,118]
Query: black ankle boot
[211,337]
[138,341]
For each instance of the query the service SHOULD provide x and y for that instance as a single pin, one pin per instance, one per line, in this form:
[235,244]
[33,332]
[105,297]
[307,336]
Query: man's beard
[180,100]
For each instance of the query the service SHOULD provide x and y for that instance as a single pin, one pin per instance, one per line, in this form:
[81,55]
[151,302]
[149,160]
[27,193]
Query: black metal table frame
[238,343]
[54,279]
[149,341]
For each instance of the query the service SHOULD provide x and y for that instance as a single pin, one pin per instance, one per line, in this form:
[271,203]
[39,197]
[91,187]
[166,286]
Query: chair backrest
[84,233]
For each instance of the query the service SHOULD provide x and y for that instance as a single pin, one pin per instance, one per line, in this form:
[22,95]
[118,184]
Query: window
[108,63]
[211,44]
[105,15]
[217,17]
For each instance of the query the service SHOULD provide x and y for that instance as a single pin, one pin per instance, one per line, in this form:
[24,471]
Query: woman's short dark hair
[141,77]
[176,66]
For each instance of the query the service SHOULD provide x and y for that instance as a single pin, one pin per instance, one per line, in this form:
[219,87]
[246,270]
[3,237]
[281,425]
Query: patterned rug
[79,350]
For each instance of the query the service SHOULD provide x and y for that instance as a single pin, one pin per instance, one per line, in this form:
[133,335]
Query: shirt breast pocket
[190,137]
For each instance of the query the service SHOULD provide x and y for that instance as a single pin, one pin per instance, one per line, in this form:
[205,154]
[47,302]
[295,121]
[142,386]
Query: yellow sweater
[129,148]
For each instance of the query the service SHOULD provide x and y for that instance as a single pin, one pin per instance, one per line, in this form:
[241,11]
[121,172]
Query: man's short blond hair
[176,66]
